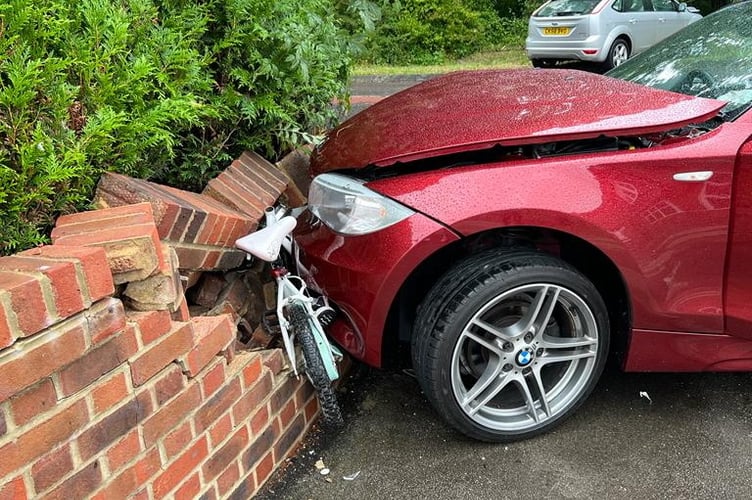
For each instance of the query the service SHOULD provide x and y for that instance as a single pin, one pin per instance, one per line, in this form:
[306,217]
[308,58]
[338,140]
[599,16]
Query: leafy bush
[163,89]
[431,31]
[425,31]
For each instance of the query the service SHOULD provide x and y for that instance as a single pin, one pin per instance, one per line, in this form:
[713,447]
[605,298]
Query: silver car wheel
[619,53]
[524,358]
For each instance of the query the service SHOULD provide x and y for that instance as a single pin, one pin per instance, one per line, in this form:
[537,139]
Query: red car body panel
[364,273]
[468,111]
[668,238]
[683,248]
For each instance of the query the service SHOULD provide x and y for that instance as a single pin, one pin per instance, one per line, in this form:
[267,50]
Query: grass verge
[507,58]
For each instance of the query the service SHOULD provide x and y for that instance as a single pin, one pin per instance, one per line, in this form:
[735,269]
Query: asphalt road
[694,440]
[691,439]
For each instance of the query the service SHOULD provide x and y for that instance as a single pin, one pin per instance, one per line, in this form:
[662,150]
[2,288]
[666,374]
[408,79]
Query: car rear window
[567,8]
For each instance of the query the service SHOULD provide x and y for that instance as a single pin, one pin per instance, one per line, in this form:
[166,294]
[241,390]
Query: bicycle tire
[314,366]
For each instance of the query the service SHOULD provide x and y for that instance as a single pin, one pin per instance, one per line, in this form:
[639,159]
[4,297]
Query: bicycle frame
[289,292]
[266,244]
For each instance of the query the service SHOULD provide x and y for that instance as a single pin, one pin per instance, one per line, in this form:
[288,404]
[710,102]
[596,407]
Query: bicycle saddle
[266,243]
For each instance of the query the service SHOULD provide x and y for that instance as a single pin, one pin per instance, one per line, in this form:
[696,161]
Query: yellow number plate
[555,31]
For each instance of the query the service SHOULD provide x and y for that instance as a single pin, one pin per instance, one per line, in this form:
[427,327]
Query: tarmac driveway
[694,440]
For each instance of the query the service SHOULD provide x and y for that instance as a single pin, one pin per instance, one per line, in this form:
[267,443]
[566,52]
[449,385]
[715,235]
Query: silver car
[602,31]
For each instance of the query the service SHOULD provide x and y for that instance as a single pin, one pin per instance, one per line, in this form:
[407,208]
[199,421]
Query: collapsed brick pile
[112,382]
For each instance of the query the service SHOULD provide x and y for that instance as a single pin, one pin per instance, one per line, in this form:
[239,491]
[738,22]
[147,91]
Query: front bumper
[362,274]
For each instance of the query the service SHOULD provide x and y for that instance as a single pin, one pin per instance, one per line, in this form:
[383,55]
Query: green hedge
[168,90]
[432,31]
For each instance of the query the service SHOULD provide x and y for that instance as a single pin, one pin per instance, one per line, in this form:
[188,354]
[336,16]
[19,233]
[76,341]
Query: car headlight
[348,207]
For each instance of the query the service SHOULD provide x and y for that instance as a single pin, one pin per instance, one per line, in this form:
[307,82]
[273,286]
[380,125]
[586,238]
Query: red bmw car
[514,228]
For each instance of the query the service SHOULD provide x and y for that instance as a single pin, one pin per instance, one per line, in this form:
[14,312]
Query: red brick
[213,379]
[227,479]
[167,349]
[44,436]
[133,252]
[290,439]
[264,469]
[260,420]
[189,489]
[261,165]
[51,468]
[97,362]
[132,478]
[220,430]
[80,485]
[252,398]
[174,442]
[251,184]
[223,457]
[225,191]
[101,435]
[138,213]
[110,392]
[311,410]
[273,359]
[15,489]
[287,413]
[214,407]
[171,414]
[33,401]
[252,371]
[269,189]
[24,290]
[182,313]
[91,264]
[117,190]
[282,393]
[168,384]
[209,289]
[180,468]
[66,288]
[8,333]
[245,489]
[211,335]
[105,318]
[151,324]
[124,451]
[41,356]
[191,257]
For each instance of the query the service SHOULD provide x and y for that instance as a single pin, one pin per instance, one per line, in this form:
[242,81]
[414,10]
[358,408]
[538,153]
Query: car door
[640,21]
[668,19]
[738,291]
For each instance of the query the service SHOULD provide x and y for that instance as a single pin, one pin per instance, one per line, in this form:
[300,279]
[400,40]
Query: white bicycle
[301,316]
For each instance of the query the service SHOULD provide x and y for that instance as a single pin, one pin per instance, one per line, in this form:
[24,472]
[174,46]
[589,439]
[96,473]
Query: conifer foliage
[168,90]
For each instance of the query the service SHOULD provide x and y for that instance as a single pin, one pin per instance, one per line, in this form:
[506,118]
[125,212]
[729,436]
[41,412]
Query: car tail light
[346,206]
[590,52]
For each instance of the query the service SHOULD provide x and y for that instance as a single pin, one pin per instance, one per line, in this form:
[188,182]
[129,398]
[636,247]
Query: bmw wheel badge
[525,356]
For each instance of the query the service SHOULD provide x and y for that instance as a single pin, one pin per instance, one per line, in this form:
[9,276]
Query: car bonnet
[475,110]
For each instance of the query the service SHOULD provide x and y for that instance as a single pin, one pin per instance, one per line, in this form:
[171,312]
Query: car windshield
[710,58]
[567,8]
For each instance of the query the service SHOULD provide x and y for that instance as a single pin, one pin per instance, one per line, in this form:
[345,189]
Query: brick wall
[110,386]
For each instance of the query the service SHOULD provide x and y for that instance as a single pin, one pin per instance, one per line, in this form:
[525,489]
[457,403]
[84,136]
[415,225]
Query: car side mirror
[682,7]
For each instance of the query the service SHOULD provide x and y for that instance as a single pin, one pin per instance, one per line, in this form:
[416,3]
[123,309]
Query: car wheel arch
[613,37]
[583,255]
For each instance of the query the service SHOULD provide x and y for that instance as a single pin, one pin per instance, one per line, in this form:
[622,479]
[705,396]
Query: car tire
[617,54]
[508,344]
[543,63]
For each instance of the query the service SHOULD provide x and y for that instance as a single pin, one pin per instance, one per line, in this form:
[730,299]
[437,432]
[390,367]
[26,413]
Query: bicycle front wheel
[314,366]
